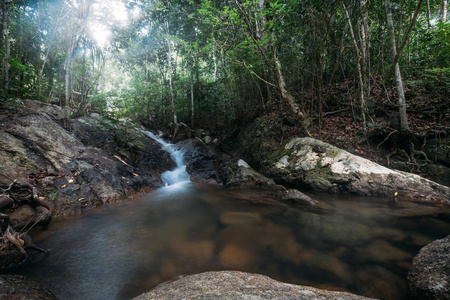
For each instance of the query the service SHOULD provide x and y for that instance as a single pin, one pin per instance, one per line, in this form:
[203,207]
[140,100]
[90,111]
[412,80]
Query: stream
[118,251]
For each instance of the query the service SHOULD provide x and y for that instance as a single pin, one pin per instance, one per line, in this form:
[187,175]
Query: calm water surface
[361,245]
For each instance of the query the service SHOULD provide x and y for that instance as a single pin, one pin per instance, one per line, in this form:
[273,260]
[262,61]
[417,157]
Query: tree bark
[192,100]
[285,95]
[5,65]
[359,64]
[443,13]
[399,49]
[398,77]
[170,71]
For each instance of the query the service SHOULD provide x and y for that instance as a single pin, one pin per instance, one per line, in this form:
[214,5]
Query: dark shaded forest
[353,73]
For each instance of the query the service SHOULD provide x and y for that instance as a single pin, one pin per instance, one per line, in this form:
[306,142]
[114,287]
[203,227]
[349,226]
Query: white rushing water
[178,174]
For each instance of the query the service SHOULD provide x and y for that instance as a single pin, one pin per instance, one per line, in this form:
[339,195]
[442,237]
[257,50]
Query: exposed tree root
[11,197]
[404,143]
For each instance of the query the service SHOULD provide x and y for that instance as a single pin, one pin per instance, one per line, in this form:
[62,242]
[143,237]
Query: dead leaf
[135,175]
[64,186]
[41,198]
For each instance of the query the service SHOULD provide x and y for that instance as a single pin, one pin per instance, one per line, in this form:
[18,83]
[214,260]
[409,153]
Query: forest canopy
[212,62]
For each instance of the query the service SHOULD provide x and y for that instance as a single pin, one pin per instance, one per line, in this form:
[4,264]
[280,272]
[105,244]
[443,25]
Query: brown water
[361,245]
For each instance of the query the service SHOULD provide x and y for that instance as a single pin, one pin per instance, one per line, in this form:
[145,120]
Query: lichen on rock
[321,166]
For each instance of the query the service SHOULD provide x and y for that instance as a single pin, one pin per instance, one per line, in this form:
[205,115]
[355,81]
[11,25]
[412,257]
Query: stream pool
[118,251]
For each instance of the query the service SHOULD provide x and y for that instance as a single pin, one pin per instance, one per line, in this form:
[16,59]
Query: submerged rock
[429,277]
[323,167]
[237,285]
[241,175]
[15,287]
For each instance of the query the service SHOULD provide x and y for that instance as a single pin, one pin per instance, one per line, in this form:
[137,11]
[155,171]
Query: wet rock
[332,266]
[288,249]
[180,132]
[233,256]
[335,230]
[429,277]
[240,175]
[321,166]
[207,139]
[10,258]
[237,217]
[200,252]
[14,287]
[379,283]
[201,161]
[383,252]
[100,161]
[237,285]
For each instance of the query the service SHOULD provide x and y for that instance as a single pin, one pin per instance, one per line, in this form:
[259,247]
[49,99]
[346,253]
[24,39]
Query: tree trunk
[5,66]
[359,65]
[170,71]
[285,95]
[192,101]
[399,49]
[67,67]
[443,14]
[398,77]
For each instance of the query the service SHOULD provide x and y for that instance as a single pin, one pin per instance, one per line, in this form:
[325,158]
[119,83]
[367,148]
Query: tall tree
[7,49]
[443,12]
[398,76]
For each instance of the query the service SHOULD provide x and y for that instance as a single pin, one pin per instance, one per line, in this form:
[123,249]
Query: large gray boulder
[323,167]
[77,163]
[429,277]
[230,285]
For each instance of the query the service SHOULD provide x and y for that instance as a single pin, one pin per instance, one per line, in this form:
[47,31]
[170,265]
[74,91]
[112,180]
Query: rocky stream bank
[52,165]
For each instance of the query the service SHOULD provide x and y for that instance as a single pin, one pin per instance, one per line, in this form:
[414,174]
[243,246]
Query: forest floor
[428,116]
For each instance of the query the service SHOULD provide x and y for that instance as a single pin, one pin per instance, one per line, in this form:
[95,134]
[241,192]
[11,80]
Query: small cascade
[178,174]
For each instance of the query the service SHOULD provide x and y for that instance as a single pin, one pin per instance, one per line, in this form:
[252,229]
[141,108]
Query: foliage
[215,57]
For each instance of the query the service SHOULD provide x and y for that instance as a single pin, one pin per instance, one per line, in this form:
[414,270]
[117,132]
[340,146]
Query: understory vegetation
[347,72]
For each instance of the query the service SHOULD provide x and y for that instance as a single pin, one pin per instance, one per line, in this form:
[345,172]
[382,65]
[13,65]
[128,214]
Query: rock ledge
[226,285]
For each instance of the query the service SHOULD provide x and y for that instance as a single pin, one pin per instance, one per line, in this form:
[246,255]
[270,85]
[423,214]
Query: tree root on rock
[12,238]
[404,143]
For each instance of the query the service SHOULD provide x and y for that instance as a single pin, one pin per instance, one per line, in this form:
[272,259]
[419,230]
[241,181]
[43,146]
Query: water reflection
[120,251]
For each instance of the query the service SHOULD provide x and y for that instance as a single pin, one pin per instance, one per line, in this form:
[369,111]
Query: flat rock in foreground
[429,277]
[237,285]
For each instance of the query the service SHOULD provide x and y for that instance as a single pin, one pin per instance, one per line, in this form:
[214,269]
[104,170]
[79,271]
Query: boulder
[201,160]
[323,167]
[237,285]
[15,287]
[240,175]
[429,277]
[77,163]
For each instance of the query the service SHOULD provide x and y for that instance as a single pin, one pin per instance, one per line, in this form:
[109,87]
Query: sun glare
[106,14]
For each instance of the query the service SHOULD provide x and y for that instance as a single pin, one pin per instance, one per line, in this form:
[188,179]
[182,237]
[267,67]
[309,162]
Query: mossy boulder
[323,167]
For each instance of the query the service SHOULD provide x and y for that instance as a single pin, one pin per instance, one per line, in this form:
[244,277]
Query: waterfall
[178,174]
